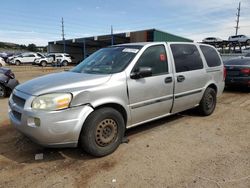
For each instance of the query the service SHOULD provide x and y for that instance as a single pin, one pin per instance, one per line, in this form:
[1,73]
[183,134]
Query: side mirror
[141,72]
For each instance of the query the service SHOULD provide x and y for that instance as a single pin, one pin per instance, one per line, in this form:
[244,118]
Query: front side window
[211,56]
[186,57]
[155,58]
[108,60]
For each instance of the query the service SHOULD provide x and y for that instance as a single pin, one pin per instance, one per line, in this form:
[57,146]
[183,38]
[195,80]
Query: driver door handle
[168,80]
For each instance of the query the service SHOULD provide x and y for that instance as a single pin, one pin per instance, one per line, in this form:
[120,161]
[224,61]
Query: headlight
[54,101]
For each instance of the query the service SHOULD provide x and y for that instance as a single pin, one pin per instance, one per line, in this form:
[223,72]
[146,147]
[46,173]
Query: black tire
[102,132]
[3,91]
[1,65]
[208,102]
[248,41]
[65,63]
[17,62]
[43,63]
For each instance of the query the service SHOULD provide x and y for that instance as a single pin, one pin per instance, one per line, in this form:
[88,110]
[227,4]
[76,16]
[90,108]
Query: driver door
[152,96]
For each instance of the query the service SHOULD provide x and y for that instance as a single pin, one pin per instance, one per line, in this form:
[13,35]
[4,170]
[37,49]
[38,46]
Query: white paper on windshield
[130,50]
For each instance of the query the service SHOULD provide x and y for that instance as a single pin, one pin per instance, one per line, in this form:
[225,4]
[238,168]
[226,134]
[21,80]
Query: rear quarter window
[211,56]
[186,57]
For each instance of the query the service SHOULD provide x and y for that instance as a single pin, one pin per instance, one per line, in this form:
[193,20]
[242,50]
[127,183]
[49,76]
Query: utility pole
[112,36]
[63,36]
[237,20]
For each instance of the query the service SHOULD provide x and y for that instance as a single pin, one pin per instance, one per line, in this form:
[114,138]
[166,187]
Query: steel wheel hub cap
[209,102]
[106,132]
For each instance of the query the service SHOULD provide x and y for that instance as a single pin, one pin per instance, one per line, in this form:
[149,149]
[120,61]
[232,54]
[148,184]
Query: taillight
[245,71]
[224,73]
[10,74]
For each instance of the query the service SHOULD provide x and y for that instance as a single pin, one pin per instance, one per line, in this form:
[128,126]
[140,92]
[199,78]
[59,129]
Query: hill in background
[12,47]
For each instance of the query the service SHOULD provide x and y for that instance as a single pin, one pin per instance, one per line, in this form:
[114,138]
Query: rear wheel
[102,132]
[18,62]
[208,102]
[3,91]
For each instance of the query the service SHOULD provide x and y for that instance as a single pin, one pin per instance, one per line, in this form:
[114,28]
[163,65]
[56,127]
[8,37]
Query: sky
[39,21]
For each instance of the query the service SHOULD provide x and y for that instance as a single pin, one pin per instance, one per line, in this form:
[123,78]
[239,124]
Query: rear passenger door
[29,58]
[152,96]
[190,76]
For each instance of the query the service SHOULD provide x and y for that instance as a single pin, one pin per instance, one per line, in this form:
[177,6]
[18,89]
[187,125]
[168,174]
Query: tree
[32,47]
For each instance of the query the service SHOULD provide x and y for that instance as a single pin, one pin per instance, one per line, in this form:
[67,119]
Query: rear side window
[154,57]
[186,57]
[211,56]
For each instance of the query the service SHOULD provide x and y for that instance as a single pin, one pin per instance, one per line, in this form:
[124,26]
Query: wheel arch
[213,86]
[117,107]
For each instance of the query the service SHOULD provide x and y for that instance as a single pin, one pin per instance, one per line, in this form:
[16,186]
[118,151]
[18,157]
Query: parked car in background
[7,81]
[246,50]
[116,88]
[239,38]
[247,55]
[211,40]
[61,59]
[11,57]
[2,62]
[4,56]
[238,72]
[25,58]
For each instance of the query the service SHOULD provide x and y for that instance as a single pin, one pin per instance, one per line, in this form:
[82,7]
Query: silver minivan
[114,89]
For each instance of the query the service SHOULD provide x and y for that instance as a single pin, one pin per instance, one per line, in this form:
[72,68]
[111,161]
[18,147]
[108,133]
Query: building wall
[162,36]
[139,36]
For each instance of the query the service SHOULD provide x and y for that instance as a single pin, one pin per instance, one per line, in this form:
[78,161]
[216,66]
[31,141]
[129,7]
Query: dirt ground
[184,150]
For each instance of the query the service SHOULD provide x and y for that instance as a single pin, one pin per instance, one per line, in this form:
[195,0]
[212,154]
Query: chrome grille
[18,100]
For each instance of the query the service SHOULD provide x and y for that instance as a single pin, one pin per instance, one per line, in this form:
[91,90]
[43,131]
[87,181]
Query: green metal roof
[168,37]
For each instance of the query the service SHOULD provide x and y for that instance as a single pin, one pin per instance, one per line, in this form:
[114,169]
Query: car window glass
[186,57]
[155,58]
[211,56]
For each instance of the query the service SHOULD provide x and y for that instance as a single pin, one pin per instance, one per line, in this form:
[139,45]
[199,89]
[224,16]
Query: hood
[62,82]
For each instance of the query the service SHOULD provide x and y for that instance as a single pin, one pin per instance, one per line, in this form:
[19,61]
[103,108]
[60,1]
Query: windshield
[108,60]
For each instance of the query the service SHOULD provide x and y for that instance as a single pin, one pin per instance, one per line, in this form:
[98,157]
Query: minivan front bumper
[47,128]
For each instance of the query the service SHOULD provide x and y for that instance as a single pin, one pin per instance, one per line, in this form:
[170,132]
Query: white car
[54,58]
[2,62]
[26,58]
[211,39]
[239,38]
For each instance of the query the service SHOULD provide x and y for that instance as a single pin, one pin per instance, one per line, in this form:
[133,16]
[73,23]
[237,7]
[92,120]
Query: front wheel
[64,63]
[43,63]
[102,132]
[208,102]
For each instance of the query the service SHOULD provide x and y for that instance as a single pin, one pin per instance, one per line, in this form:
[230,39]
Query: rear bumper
[12,83]
[238,81]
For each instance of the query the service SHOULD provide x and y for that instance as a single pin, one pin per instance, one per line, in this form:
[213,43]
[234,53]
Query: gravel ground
[184,150]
